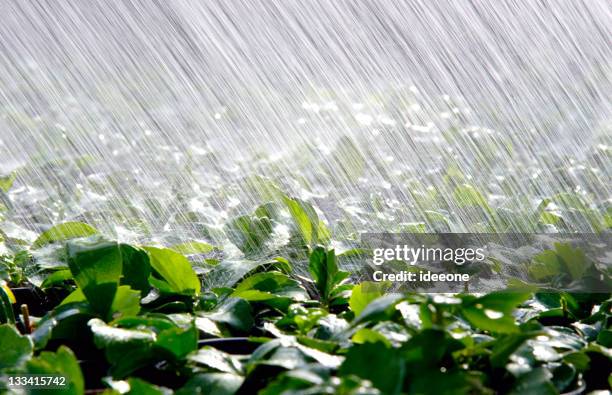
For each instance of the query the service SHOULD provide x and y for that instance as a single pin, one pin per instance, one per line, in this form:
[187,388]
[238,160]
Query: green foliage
[362,294]
[96,267]
[327,277]
[287,320]
[16,349]
[249,233]
[62,363]
[6,181]
[174,270]
[134,342]
[213,384]
[305,218]
[278,313]
[563,259]
[192,247]
[493,312]
[382,365]
[6,304]
[62,322]
[136,268]
[63,232]
[468,196]
[274,288]
[235,313]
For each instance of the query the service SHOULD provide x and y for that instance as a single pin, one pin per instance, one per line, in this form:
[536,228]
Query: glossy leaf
[174,269]
[362,294]
[63,232]
[61,363]
[96,266]
[16,349]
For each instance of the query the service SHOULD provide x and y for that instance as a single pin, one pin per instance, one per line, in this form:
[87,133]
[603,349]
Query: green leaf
[570,201]
[6,181]
[126,302]
[574,259]
[468,196]
[63,232]
[126,349]
[563,376]
[6,304]
[535,382]
[506,346]
[427,349]
[233,312]
[56,278]
[106,335]
[268,285]
[362,294]
[75,296]
[563,259]
[449,383]
[16,349]
[218,360]
[136,268]
[579,360]
[175,269]
[192,247]
[365,335]
[383,366]
[379,309]
[307,221]
[96,266]
[605,338]
[62,323]
[153,337]
[324,271]
[178,341]
[249,233]
[212,384]
[134,342]
[493,312]
[289,354]
[549,218]
[62,363]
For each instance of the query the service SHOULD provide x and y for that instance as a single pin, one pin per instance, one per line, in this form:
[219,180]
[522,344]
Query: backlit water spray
[156,120]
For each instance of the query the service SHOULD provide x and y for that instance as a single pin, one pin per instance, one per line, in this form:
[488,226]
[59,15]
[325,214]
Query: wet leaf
[535,382]
[136,268]
[174,269]
[379,309]
[6,304]
[212,384]
[362,294]
[233,312]
[63,232]
[217,360]
[307,221]
[192,247]
[6,181]
[61,363]
[325,273]
[383,366]
[267,285]
[249,233]
[62,323]
[16,349]
[493,312]
[96,267]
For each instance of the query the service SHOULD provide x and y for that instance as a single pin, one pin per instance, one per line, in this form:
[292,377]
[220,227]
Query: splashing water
[161,120]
